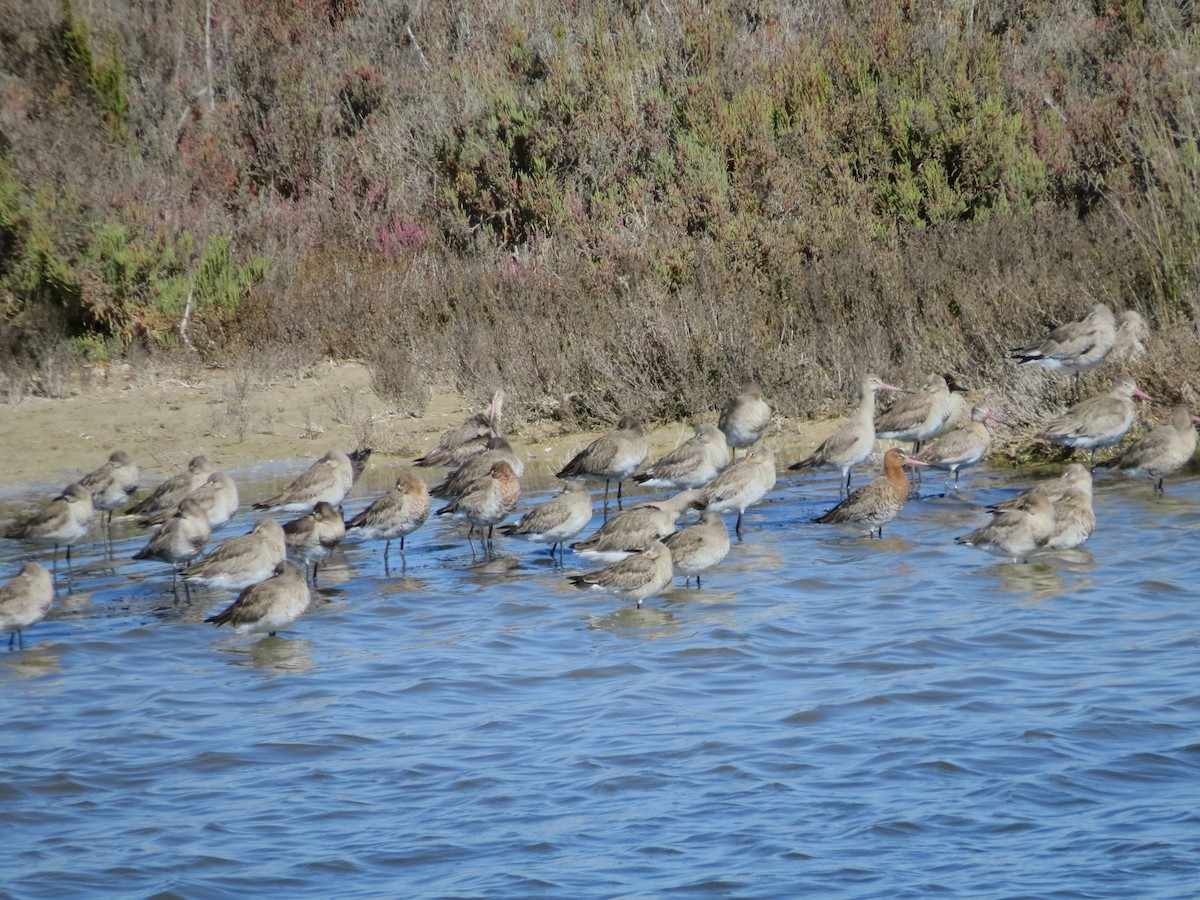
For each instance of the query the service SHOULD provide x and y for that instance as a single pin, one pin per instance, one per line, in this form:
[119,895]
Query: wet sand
[164,417]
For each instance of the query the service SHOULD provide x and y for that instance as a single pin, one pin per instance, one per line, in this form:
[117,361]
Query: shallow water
[828,715]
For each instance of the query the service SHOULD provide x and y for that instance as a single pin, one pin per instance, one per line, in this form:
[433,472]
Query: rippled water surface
[828,715]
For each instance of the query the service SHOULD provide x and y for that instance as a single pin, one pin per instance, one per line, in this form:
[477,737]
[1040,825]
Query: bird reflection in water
[647,621]
[1038,579]
[278,654]
[35,661]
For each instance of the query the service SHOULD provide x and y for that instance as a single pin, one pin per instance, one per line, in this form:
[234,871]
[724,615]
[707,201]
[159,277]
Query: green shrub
[124,280]
[104,72]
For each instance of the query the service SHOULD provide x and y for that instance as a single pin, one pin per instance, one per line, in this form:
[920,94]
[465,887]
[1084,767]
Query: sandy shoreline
[165,417]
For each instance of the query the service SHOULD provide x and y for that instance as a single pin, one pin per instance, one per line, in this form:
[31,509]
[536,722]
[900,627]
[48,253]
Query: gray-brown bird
[1053,489]
[180,540]
[635,528]
[695,462]
[486,502]
[313,536]
[395,515]
[217,496]
[698,547]
[24,601]
[1096,422]
[174,489]
[468,440]
[1015,533]
[329,478]
[853,442]
[1074,518]
[1162,452]
[268,605]
[960,447]
[241,561]
[1075,347]
[1132,332]
[557,520]
[611,457]
[476,467]
[918,416]
[637,577]
[113,484]
[745,417]
[742,485]
[62,522]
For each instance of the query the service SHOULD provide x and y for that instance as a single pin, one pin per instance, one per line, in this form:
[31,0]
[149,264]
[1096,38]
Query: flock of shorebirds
[270,564]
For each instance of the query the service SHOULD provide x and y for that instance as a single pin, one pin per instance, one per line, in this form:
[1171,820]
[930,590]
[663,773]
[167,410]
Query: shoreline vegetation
[269,412]
[606,207]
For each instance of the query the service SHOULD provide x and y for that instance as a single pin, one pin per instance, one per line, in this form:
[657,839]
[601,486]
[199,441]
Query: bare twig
[183,323]
[412,37]
[208,66]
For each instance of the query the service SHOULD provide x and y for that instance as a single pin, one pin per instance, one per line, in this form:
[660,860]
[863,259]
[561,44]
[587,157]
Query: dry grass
[584,344]
[632,216]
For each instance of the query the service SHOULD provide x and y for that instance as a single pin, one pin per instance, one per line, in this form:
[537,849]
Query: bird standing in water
[611,457]
[637,577]
[486,502]
[62,522]
[396,514]
[1162,452]
[268,605]
[877,502]
[853,442]
[742,485]
[24,601]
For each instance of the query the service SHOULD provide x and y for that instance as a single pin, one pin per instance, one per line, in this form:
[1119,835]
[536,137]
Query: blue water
[829,715]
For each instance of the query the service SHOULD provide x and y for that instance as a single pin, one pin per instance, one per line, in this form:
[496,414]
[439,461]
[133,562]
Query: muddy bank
[164,417]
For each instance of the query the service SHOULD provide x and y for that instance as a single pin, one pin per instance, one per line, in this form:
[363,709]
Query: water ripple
[829,714]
